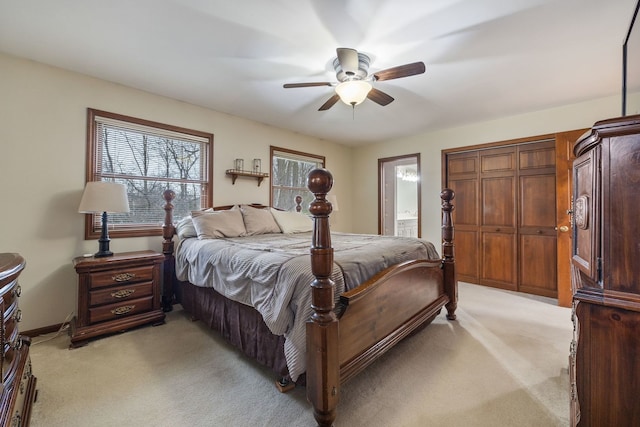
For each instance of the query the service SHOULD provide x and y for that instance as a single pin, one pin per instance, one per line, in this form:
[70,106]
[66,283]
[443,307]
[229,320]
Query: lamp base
[101,254]
[103,241]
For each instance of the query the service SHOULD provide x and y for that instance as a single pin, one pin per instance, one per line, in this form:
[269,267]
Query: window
[289,170]
[148,158]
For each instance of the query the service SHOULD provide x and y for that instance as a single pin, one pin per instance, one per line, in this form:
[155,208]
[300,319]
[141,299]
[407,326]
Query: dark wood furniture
[344,339]
[18,389]
[117,293]
[506,214]
[605,353]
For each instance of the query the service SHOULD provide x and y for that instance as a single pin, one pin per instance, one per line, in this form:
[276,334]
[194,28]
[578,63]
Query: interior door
[564,174]
[399,196]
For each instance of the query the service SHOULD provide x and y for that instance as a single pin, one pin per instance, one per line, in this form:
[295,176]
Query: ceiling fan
[354,81]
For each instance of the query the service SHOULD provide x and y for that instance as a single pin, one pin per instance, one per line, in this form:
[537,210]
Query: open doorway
[399,196]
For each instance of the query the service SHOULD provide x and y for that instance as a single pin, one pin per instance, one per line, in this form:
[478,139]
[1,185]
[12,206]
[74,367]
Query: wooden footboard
[369,320]
[385,309]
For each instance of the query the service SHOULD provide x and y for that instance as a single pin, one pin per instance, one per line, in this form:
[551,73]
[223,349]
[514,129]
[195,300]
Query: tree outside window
[289,171]
[148,158]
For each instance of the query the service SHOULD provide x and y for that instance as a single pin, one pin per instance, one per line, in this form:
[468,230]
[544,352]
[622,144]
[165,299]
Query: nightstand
[117,293]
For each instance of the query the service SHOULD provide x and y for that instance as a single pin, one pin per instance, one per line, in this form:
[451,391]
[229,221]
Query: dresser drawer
[120,293]
[120,310]
[121,276]
[12,293]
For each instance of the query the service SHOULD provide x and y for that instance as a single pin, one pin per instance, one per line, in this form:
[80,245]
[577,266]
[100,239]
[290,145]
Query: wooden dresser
[18,383]
[116,293]
[605,353]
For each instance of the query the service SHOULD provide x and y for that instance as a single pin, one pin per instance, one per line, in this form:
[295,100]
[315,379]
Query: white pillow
[185,228]
[213,225]
[292,222]
[258,221]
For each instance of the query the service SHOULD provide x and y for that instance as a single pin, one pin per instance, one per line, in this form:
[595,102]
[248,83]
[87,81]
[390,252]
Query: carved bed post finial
[448,258]
[168,230]
[323,370]
[298,203]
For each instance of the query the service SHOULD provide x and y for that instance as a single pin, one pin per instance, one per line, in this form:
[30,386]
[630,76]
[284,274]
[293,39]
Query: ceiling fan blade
[330,103]
[400,71]
[379,97]
[291,85]
[348,59]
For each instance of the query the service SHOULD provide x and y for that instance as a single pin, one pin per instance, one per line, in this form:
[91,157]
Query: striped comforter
[272,273]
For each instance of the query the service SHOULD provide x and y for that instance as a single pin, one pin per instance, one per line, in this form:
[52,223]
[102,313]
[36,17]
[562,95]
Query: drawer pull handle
[122,310]
[17,291]
[17,345]
[122,293]
[18,316]
[123,277]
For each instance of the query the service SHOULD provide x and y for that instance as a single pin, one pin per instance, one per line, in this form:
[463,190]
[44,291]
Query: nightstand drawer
[117,293]
[121,276]
[120,310]
[120,293]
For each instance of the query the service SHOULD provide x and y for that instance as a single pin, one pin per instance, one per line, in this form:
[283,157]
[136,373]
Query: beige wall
[430,145]
[42,170]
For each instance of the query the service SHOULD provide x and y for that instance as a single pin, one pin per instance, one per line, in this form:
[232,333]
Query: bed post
[323,370]
[448,259]
[168,230]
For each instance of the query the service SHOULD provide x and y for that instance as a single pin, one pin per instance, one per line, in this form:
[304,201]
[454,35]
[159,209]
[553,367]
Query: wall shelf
[234,174]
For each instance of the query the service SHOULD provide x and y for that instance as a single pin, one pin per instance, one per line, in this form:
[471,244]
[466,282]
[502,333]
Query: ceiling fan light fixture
[353,92]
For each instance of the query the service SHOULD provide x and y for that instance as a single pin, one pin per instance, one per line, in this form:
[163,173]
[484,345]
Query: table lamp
[104,197]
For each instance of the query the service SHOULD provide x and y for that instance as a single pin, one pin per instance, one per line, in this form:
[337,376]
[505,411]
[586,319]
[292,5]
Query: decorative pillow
[258,221]
[201,212]
[292,222]
[185,228]
[213,225]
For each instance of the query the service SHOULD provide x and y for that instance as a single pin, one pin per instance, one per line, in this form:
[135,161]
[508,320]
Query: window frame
[91,231]
[294,154]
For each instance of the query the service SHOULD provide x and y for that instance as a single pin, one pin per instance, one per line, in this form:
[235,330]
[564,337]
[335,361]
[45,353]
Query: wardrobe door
[537,238]
[462,171]
[585,217]
[498,195]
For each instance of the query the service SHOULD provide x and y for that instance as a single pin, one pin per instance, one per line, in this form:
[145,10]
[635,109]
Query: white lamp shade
[331,198]
[101,196]
[353,92]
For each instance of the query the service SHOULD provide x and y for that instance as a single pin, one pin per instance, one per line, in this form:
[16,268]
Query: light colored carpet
[502,363]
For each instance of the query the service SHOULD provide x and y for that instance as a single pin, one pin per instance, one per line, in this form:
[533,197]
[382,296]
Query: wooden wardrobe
[505,214]
[512,213]
[605,353]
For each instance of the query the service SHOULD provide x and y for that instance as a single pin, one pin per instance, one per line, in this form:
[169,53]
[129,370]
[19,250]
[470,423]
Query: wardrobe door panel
[498,201]
[538,271]
[499,260]
[537,235]
[585,215]
[462,178]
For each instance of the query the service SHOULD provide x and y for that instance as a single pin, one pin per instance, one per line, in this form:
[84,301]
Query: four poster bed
[320,318]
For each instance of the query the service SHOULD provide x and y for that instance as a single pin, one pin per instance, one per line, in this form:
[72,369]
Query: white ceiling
[484,58]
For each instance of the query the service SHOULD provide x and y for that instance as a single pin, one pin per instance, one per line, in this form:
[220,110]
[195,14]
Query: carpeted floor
[502,363]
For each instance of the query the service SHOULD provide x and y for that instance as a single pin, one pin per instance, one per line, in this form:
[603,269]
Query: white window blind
[150,158]
[289,171]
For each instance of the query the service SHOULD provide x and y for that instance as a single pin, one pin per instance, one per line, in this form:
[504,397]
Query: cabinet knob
[564,228]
